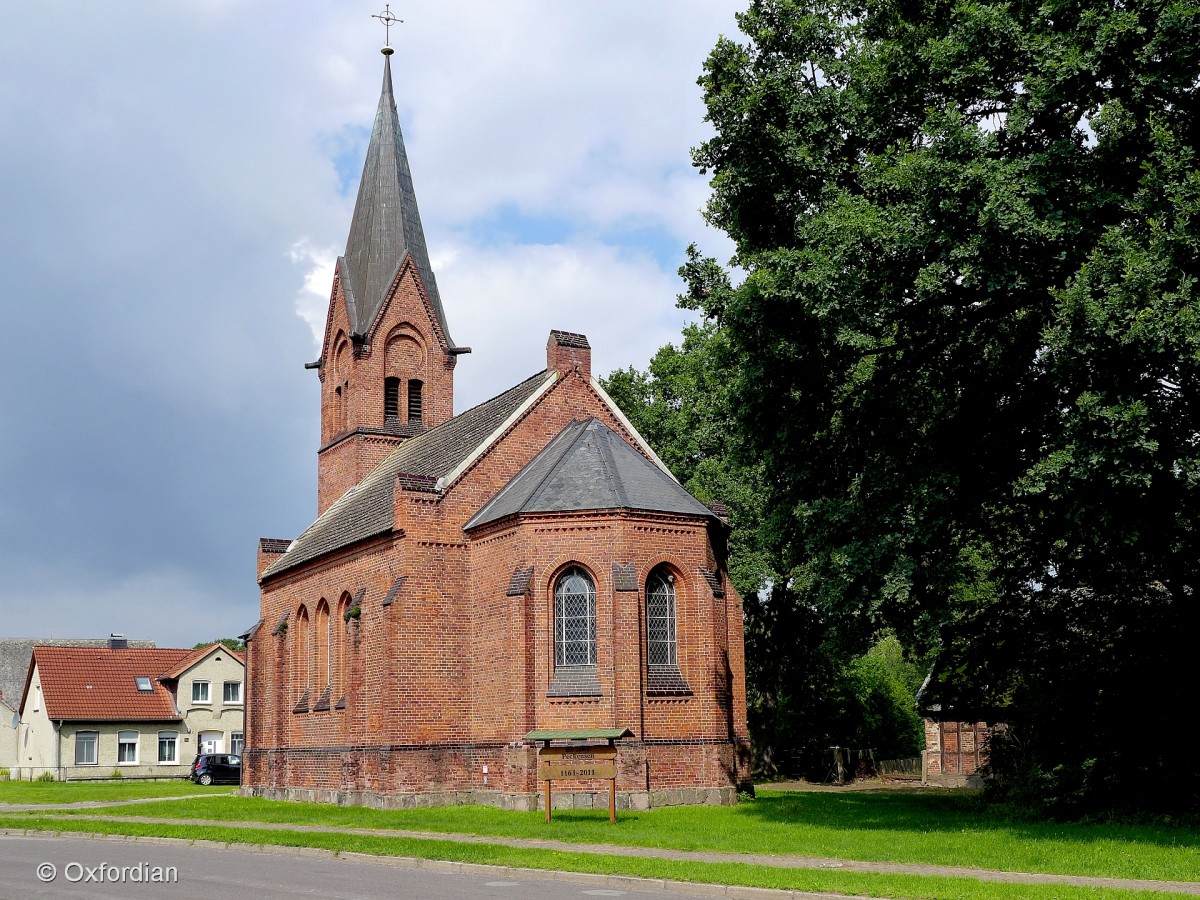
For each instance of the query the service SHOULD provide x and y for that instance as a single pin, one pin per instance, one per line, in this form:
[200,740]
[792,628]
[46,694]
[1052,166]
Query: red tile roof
[96,683]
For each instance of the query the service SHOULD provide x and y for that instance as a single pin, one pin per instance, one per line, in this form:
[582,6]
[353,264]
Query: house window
[237,743]
[574,619]
[127,747]
[143,684]
[168,747]
[414,402]
[200,692]
[391,399]
[233,693]
[85,747]
[660,620]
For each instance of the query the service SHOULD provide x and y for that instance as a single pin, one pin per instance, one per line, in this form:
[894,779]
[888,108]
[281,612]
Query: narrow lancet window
[391,400]
[574,619]
[414,402]
[661,650]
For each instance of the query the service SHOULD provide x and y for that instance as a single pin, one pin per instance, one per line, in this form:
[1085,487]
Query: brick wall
[405,342]
[954,751]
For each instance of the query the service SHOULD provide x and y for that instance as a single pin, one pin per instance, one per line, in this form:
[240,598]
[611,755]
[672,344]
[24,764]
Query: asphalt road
[86,868]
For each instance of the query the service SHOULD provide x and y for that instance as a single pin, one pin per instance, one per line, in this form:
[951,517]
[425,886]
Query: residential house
[15,654]
[96,712]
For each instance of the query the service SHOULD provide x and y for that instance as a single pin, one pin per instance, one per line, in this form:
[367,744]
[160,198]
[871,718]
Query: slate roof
[386,226]
[366,509]
[97,684]
[15,654]
[587,465]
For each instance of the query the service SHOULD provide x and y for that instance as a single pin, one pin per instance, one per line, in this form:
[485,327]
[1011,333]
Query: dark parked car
[217,768]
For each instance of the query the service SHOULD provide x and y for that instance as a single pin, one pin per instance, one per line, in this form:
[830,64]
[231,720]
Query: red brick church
[528,564]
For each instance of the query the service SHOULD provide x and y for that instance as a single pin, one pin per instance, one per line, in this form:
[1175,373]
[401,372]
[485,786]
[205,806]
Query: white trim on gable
[448,479]
[213,649]
[616,411]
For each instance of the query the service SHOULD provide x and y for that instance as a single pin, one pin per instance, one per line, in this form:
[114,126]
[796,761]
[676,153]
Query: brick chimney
[269,550]
[567,351]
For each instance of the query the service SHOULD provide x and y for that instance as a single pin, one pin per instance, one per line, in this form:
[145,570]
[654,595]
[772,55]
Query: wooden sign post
[579,762]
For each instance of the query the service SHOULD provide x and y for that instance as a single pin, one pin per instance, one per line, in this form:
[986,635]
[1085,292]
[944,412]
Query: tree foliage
[232,643]
[805,692]
[966,348]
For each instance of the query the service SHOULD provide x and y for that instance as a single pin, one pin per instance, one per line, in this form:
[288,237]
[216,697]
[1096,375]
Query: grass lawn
[914,887]
[940,829]
[79,791]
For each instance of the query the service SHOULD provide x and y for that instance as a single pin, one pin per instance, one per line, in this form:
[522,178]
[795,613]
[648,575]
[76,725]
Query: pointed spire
[387,226]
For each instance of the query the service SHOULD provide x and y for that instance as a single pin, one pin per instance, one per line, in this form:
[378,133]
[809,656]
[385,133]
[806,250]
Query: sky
[176,180]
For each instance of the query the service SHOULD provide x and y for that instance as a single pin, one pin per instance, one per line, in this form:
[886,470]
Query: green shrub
[47,776]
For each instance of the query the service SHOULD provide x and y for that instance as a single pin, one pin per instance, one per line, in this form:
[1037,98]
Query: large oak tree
[966,347]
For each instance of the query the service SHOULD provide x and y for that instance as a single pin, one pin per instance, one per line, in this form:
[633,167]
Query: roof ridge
[552,467]
[609,461]
[367,509]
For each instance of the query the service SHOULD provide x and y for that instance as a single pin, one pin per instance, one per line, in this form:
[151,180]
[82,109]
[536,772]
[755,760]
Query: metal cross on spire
[388,21]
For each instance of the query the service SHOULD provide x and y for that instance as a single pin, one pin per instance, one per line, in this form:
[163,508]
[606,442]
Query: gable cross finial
[388,20]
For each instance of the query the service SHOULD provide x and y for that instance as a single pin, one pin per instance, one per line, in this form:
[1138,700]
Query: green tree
[806,691]
[232,643]
[966,348]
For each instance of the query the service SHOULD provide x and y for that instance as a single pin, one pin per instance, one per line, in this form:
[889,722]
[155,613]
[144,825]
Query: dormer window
[391,400]
[414,402]
[143,683]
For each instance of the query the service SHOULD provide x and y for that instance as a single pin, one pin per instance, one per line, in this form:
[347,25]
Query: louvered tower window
[391,399]
[574,619]
[414,402]
[660,620]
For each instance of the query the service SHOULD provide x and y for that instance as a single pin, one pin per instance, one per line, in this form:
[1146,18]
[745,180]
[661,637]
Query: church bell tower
[387,360]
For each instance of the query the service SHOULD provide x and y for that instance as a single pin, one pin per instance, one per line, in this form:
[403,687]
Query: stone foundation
[520,802]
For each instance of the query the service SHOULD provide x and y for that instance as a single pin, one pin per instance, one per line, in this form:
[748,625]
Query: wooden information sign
[579,762]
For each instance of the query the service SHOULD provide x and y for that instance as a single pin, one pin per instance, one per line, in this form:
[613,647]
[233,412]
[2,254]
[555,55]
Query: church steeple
[387,224]
[387,364]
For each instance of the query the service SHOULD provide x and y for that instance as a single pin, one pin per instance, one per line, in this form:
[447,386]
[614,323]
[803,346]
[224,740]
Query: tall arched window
[574,619]
[391,400]
[340,677]
[321,640]
[303,667]
[661,651]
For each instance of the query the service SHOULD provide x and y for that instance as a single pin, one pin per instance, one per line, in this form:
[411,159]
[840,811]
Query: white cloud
[503,302]
[312,303]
